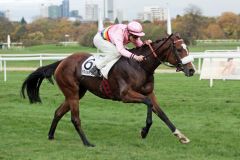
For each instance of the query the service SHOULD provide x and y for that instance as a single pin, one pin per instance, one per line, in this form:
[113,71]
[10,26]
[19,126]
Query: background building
[57,11]
[43,10]
[65,8]
[119,15]
[154,13]
[74,13]
[5,14]
[2,14]
[54,11]
[91,12]
[110,10]
[105,6]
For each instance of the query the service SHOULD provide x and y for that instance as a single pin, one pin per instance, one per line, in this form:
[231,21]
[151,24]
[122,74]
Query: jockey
[112,40]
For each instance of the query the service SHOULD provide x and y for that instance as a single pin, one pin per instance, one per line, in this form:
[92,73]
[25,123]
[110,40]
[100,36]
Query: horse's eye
[179,50]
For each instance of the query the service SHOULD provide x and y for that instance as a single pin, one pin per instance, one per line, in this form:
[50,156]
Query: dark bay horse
[129,81]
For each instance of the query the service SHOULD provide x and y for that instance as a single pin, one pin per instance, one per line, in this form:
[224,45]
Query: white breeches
[109,50]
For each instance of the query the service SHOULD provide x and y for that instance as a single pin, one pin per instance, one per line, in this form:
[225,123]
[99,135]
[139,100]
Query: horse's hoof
[50,137]
[143,133]
[184,140]
[89,145]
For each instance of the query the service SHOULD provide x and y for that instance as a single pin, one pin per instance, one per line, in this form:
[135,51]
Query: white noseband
[187,59]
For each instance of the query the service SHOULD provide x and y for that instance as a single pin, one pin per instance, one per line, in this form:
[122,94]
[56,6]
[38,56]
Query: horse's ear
[178,35]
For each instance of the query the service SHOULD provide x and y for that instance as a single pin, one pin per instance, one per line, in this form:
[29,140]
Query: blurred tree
[154,31]
[20,33]
[230,23]
[23,22]
[189,25]
[214,31]
[77,23]
[6,27]
[147,21]
[35,38]
[192,25]
[87,32]
[116,21]
[62,28]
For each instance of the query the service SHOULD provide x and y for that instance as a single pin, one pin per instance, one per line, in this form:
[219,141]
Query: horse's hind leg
[74,106]
[59,113]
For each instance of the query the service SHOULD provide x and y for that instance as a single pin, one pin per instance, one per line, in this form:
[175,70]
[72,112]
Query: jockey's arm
[121,49]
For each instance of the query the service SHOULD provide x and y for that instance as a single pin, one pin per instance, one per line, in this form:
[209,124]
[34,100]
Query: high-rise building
[7,14]
[120,15]
[105,6]
[43,10]
[140,16]
[82,8]
[110,10]
[74,13]
[2,14]
[154,13]
[91,12]
[54,11]
[65,8]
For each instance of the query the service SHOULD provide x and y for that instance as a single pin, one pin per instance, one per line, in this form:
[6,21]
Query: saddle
[89,64]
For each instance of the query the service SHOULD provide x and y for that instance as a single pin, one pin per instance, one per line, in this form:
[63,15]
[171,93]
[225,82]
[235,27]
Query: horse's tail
[33,81]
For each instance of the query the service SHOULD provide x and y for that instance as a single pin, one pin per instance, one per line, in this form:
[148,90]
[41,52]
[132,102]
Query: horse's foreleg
[145,129]
[59,113]
[135,97]
[74,106]
[159,112]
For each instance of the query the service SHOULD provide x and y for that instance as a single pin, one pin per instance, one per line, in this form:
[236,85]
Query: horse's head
[174,51]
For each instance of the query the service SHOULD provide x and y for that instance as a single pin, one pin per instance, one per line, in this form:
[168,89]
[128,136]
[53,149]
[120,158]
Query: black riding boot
[95,71]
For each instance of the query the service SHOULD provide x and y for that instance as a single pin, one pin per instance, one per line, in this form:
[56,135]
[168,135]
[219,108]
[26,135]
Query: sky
[31,8]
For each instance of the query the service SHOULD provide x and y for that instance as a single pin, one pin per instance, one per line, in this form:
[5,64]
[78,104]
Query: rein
[154,50]
[179,64]
[164,42]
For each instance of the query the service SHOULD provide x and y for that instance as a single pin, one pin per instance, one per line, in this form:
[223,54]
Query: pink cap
[135,28]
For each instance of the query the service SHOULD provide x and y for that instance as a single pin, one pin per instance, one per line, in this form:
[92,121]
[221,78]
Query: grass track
[210,117]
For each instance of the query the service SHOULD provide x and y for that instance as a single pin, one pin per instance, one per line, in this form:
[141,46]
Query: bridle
[179,64]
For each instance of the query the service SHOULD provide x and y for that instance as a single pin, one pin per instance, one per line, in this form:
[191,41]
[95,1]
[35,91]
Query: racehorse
[129,81]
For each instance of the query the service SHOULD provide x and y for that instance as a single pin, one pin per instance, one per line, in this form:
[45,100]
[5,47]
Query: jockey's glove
[138,58]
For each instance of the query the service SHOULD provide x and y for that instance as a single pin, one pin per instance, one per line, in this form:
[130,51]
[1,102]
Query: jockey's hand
[139,58]
[148,41]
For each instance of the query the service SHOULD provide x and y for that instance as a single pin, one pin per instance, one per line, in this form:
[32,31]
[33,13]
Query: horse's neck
[151,62]
[143,50]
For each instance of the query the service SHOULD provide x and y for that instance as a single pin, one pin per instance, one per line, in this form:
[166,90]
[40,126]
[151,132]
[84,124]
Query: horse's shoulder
[81,54]
[77,57]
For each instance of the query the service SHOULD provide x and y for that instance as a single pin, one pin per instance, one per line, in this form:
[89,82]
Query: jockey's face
[133,38]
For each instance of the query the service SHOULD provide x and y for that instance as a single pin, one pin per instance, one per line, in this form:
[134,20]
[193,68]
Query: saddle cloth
[89,63]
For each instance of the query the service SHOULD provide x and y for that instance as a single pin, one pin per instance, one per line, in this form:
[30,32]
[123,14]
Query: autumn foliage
[192,25]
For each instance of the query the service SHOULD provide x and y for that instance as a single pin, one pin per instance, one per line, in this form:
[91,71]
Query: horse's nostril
[191,71]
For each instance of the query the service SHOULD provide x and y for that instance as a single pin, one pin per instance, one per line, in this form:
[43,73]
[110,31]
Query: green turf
[210,117]
[42,49]
[201,47]
[48,49]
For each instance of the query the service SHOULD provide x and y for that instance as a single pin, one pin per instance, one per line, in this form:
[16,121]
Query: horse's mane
[144,48]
